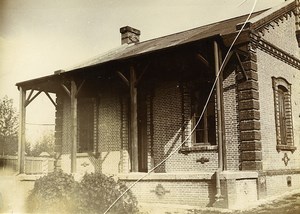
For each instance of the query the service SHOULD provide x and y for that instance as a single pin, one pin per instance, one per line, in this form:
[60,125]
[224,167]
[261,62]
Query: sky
[38,37]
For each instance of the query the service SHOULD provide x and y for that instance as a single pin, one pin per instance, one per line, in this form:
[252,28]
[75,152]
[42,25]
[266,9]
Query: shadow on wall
[164,150]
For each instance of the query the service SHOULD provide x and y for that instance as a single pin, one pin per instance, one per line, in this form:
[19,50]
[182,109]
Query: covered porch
[170,104]
[192,68]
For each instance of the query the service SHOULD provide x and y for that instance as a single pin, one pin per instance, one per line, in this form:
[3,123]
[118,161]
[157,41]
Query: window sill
[285,148]
[82,154]
[87,154]
[198,148]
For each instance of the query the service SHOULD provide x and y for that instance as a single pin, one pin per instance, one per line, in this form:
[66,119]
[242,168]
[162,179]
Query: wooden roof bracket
[125,80]
[203,60]
[226,61]
[66,89]
[79,88]
[241,65]
[29,99]
[141,75]
[50,98]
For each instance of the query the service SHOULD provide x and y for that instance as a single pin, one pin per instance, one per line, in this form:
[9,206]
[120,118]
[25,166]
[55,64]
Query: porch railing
[33,165]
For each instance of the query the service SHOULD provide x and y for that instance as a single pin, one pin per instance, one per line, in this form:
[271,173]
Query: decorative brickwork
[186,113]
[249,115]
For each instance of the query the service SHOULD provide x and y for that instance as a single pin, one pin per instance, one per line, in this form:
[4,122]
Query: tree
[44,144]
[8,127]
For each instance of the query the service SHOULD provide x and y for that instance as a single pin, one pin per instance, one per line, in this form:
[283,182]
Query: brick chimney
[129,35]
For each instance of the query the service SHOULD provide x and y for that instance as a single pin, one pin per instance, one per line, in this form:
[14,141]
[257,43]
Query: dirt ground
[287,204]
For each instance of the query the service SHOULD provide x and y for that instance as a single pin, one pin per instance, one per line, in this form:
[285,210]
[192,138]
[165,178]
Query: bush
[58,192]
[97,192]
[52,193]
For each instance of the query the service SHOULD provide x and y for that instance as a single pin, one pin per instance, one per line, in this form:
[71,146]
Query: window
[283,114]
[205,131]
[86,124]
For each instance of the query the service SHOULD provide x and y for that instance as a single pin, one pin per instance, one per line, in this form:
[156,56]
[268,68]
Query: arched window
[283,114]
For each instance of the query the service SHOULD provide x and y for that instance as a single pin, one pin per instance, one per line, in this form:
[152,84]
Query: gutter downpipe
[219,120]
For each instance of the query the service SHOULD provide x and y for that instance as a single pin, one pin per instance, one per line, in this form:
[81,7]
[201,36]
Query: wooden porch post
[22,127]
[133,122]
[73,125]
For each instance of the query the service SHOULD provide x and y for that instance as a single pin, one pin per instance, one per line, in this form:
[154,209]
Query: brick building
[156,110]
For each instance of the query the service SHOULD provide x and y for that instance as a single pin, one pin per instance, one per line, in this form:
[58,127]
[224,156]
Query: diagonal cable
[205,106]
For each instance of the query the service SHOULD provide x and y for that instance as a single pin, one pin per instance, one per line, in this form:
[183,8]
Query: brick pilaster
[249,115]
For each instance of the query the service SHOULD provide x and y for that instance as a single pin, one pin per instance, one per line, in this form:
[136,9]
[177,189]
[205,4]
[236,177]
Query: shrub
[97,192]
[58,192]
[52,193]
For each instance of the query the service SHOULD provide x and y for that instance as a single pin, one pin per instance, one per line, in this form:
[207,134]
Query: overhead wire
[204,108]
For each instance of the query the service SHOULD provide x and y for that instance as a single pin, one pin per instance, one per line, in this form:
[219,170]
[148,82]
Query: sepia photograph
[150,107]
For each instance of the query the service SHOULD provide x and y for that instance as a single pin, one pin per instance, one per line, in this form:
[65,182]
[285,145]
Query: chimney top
[129,35]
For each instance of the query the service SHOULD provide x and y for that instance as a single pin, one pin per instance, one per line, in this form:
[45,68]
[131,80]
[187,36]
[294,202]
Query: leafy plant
[97,192]
[58,192]
[52,193]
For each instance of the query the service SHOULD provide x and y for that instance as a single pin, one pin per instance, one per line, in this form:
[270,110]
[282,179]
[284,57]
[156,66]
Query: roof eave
[268,16]
[33,83]
[134,57]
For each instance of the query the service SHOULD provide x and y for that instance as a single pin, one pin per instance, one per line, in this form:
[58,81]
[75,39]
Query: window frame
[188,102]
[205,126]
[198,98]
[283,114]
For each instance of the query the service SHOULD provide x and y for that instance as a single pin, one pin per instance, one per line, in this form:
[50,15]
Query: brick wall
[110,154]
[269,66]
[197,193]
[230,103]
[272,159]
[278,184]
[109,129]
[66,130]
[278,165]
[165,108]
[174,188]
[168,124]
